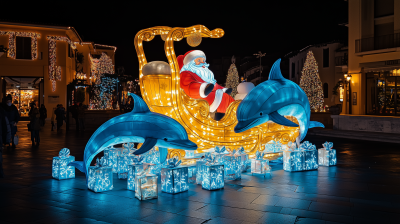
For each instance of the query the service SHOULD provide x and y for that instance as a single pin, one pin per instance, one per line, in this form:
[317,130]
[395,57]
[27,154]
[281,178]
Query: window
[293,69]
[325,57]
[23,48]
[383,8]
[325,90]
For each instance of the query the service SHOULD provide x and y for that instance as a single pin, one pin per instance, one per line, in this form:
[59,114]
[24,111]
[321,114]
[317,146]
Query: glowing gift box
[293,159]
[213,175]
[273,147]
[189,153]
[111,156]
[124,159]
[146,186]
[310,156]
[135,169]
[61,170]
[153,157]
[244,159]
[100,176]
[199,167]
[174,179]
[219,152]
[259,165]
[232,166]
[327,155]
[192,174]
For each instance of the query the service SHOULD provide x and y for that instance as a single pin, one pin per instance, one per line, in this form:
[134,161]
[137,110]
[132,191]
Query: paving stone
[309,221]
[293,203]
[277,218]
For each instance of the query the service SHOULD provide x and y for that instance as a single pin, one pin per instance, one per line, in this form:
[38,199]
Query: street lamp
[260,55]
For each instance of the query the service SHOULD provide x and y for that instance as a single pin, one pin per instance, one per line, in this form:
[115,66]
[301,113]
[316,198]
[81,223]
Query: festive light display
[232,164]
[100,177]
[111,156]
[153,157]
[244,159]
[124,159]
[311,83]
[192,174]
[174,179]
[327,155]
[303,158]
[100,66]
[199,170]
[219,152]
[137,168]
[61,170]
[259,165]
[162,93]
[273,147]
[12,42]
[213,175]
[146,187]
[310,156]
[232,80]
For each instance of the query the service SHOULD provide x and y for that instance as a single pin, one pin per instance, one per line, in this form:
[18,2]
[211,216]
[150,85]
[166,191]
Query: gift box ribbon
[101,162]
[138,160]
[220,150]
[328,145]
[260,155]
[173,162]
[64,153]
[307,146]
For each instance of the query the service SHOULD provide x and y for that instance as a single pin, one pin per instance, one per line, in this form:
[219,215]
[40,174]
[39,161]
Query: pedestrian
[53,118]
[60,116]
[34,116]
[43,114]
[81,116]
[74,112]
[12,114]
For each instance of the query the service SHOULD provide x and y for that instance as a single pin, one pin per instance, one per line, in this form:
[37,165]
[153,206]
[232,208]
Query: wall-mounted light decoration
[12,42]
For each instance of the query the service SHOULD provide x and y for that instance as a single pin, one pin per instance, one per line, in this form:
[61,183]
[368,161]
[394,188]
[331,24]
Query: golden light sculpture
[163,94]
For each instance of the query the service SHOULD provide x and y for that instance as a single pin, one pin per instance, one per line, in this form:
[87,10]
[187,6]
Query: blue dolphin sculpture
[273,99]
[139,125]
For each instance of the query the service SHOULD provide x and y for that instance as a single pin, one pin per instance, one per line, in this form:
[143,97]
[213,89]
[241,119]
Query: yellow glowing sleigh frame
[163,95]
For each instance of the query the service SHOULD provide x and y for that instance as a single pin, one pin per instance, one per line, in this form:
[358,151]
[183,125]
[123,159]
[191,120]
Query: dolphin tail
[314,124]
[79,165]
[163,154]
[148,144]
[279,119]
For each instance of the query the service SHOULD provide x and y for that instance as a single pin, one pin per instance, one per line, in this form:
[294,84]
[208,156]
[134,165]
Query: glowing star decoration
[273,147]
[310,156]
[244,159]
[232,165]
[271,101]
[311,83]
[111,156]
[259,165]
[146,186]
[100,177]
[140,125]
[12,42]
[327,155]
[137,168]
[213,175]
[124,159]
[61,170]
[174,179]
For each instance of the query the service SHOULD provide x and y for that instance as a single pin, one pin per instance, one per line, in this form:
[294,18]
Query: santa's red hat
[189,56]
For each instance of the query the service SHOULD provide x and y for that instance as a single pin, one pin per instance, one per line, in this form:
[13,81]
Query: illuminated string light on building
[12,42]
[311,83]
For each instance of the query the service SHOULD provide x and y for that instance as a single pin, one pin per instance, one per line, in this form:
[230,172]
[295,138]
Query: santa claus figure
[198,82]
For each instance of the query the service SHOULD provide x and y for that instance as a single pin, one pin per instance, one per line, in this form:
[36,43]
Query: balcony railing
[378,43]
[341,60]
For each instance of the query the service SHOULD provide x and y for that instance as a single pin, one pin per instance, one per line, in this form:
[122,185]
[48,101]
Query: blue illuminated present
[124,159]
[153,157]
[213,177]
[60,167]
[192,174]
[327,155]
[146,187]
[244,159]
[199,172]
[310,156]
[174,180]
[273,147]
[293,160]
[133,171]
[111,155]
[219,153]
[260,166]
[100,177]
[189,153]
[232,165]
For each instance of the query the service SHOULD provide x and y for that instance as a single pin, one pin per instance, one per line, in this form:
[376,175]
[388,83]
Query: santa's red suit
[195,78]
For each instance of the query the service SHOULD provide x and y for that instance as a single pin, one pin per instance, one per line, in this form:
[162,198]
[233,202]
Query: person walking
[53,118]
[43,114]
[81,116]
[34,116]
[12,114]
[60,116]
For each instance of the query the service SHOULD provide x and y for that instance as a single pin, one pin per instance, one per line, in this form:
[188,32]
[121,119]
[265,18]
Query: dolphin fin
[139,106]
[279,119]
[163,154]
[275,72]
[314,124]
[79,165]
[148,144]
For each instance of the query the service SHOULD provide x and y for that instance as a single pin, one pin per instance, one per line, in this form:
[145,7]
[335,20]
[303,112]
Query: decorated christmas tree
[311,83]
[232,80]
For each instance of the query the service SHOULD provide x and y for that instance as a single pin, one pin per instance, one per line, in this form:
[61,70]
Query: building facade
[37,62]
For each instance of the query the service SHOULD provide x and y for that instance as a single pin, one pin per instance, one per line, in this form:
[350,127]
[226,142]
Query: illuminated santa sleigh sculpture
[160,86]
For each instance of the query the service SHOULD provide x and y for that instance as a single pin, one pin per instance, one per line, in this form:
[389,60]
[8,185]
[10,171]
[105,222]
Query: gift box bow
[241,151]
[130,147]
[212,160]
[138,160]
[307,146]
[207,156]
[173,162]
[291,146]
[220,150]
[64,153]
[328,145]
[260,155]
[101,162]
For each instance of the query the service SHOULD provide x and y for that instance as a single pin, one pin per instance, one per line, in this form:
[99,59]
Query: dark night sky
[274,27]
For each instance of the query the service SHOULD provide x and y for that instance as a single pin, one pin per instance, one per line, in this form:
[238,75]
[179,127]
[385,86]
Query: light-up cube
[199,172]
[61,170]
[133,171]
[111,156]
[244,162]
[232,165]
[311,159]
[189,153]
[153,157]
[124,159]
[260,166]
[192,174]
[146,187]
[100,178]
[327,155]
[293,160]
[213,177]
[174,180]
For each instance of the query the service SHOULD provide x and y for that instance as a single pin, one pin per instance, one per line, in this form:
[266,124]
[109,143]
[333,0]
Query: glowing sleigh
[160,87]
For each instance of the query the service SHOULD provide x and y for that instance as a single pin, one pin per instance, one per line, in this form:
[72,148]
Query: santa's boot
[228,91]
[218,116]
[208,89]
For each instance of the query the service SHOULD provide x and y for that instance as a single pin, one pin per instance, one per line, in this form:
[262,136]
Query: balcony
[378,43]
[341,60]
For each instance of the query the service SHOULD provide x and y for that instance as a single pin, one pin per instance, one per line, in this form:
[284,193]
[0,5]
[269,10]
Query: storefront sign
[53,99]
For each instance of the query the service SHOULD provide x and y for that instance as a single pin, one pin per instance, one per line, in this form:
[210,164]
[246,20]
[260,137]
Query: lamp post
[346,81]
[260,55]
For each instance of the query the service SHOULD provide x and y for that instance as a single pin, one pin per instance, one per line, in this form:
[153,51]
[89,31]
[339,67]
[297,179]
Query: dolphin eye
[165,139]
[260,113]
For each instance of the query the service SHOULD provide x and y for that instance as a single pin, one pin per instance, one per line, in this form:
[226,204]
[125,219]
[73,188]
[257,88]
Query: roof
[296,52]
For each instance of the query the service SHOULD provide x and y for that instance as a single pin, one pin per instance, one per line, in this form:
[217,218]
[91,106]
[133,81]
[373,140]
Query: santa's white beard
[204,73]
